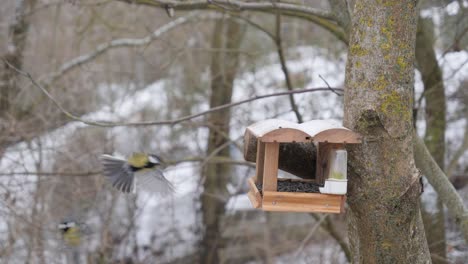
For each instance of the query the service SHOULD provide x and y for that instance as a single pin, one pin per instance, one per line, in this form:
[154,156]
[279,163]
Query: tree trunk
[384,186]
[427,65]
[224,66]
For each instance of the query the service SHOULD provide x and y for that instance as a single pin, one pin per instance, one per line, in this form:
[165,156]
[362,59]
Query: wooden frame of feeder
[326,137]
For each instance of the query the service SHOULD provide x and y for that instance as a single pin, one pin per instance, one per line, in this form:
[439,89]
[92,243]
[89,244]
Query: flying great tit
[145,169]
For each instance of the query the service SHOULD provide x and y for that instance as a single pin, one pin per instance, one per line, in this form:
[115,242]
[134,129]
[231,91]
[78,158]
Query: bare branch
[136,42]
[441,184]
[310,234]
[52,173]
[219,159]
[253,24]
[119,43]
[341,12]
[162,122]
[234,5]
[324,19]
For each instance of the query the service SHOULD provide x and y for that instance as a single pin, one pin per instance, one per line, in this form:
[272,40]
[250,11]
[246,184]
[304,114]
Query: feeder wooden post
[323,150]
[270,168]
[260,161]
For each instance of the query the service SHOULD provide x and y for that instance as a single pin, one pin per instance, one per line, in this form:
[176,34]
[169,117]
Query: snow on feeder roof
[315,130]
[326,192]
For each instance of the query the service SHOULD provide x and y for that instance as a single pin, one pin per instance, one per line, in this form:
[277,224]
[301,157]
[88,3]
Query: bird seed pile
[294,186]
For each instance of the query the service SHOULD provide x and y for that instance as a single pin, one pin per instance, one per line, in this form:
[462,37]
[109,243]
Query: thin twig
[310,234]
[334,90]
[213,154]
[162,122]
[284,68]
[329,227]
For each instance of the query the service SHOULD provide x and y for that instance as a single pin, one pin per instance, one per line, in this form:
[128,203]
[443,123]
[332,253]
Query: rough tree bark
[435,111]
[384,188]
[227,35]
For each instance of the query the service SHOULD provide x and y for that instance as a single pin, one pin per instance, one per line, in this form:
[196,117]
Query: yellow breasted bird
[71,233]
[144,169]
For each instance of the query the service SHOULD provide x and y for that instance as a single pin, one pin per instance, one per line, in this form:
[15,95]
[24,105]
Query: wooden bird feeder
[327,138]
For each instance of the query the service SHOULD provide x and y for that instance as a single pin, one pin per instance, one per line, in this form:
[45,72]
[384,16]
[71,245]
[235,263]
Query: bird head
[65,226]
[155,159]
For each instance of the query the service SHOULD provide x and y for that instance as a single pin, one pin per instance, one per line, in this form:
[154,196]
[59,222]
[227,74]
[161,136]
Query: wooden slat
[254,190]
[256,203]
[323,151]
[286,135]
[338,135]
[270,169]
[260,161]
[343,201]
[302,202]
[251,182]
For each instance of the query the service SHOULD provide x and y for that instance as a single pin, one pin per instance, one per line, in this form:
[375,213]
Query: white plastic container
[337,180]
[333,186]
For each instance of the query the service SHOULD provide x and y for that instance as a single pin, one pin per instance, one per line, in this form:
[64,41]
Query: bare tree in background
[227,38]
[435,115]
[9,90]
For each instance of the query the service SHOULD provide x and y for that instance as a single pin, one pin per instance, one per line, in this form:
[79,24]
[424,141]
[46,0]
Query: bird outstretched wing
[154,182]
[118,172]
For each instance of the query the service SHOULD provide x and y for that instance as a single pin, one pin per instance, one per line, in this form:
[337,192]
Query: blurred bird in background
[145,169]
[71,232]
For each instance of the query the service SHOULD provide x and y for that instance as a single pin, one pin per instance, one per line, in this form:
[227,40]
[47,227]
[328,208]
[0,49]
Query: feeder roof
[276,130]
